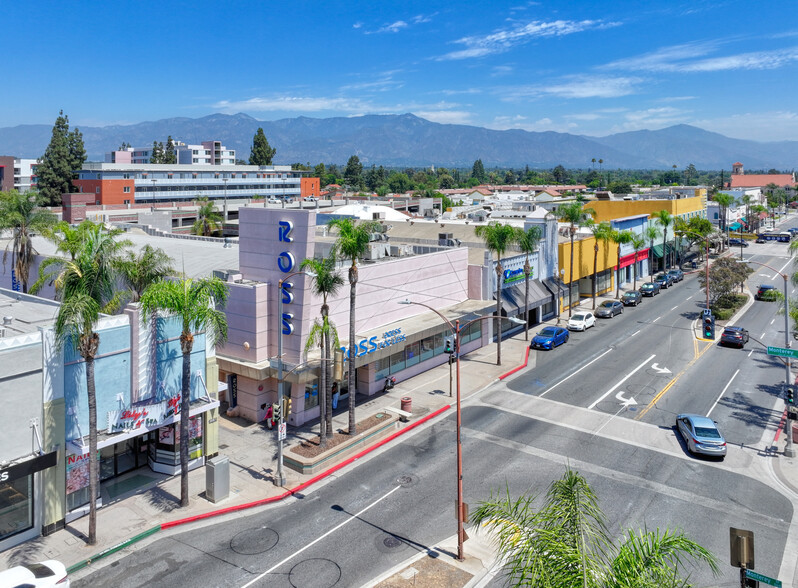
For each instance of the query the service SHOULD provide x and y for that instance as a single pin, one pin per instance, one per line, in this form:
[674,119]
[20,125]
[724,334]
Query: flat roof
[26,313]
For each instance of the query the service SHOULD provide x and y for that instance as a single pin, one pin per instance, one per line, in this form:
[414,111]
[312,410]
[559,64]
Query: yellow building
[686,208]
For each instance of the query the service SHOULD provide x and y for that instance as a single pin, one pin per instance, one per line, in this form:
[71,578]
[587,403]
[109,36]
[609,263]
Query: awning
[658,249]
[513,297]
[735,227]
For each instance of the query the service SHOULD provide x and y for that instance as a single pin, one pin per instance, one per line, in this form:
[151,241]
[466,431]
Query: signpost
[783,352]
[281,430]
[751,575]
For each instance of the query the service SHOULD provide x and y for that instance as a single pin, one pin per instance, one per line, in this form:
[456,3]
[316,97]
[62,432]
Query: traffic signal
[276,416]
[709,326]
[448,345]
[286,406]
[790,395]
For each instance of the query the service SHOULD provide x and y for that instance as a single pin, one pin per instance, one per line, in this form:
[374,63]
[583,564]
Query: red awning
[627,260]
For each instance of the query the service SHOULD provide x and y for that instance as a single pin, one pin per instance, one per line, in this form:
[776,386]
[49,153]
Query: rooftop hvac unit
[378,216]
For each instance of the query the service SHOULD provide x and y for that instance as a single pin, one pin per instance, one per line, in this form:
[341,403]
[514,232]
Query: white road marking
[750,353]
[635,333]
[312,543]
[675,307]
[762,336]
[576,372]
[722,393]
[656,319]
[616,386]
[772,321]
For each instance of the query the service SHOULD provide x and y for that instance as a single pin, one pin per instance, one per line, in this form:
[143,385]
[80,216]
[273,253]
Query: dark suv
[664,280]
[766,292]
[676,274]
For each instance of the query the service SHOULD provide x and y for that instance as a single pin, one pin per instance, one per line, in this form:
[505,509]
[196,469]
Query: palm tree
[139,271]
[69,239]
[638,242]
[651,232]
[194,303]
[724,201]
[665,220]
[601,232]
[747,200]
[567,544]
[528,243]
[22,213]
[498,239]
[620,238]
[209,221]
[577,216]
[353,239]
[758,209]
[326,282]
[86,287]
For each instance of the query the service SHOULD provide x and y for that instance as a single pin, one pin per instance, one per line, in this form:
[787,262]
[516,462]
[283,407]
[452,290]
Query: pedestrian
[268,417]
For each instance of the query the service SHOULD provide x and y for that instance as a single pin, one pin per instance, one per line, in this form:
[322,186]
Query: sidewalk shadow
[29,551]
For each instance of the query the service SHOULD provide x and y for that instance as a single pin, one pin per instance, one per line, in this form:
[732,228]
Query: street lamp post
[279,479]
[456,328]
[225,199]
[559,290]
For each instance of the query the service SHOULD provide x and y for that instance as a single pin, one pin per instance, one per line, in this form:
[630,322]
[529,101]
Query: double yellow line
[697,353]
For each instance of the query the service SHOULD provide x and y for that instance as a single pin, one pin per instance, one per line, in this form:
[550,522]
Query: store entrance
[124,456]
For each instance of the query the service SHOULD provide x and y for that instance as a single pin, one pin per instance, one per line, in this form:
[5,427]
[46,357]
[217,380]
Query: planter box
[334,455]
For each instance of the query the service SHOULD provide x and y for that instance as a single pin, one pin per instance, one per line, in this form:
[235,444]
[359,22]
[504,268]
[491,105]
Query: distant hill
[407,140]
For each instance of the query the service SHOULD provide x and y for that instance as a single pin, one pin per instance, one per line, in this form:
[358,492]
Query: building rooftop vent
[7,320]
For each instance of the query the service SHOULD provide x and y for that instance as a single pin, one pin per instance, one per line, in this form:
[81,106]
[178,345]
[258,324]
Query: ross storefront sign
[146,416]
[286,263]
[26,468]
[370,345]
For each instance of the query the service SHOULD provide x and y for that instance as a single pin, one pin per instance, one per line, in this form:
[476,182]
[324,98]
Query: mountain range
[406,140]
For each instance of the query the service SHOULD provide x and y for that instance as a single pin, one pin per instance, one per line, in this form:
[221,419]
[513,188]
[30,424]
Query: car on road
[734,336]
[273,200]
[676,275]
[49,573]
[701,435]
[649,289]
[549,338]
[766,292]
[310,199]
[581,321]
[760,240]
[609,308]
[738,243]
[664,280]
[631,298]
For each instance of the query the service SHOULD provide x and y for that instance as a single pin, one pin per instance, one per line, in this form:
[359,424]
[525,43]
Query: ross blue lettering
[288,296]
[288,328]
[362,348]
[284,231]
[373,344]
[285,261]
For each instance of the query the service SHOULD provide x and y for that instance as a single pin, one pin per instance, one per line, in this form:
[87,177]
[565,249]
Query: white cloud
[357,25]
[503,40]
[577,87]
[394,27]
[502,70]
[504,123]
[293,104]
[456,117]
[583,116]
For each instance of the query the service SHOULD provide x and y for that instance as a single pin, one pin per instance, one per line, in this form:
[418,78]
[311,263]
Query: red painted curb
[520,367]
[781,426]
[321,476]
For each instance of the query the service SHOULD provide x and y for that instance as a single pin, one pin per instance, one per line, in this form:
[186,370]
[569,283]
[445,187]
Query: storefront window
[16,506]
[438,344]
[412,354]
[77,480]
[427,348]
[397,362]
[311,395]
[382,368]
[471,333]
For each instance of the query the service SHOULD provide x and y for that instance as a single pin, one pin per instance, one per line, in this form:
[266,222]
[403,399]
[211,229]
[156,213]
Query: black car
[734,336]
[766,292]
[649,289]
[664,280]
[760,240]
[609,308]
[676,274]
[738,243]
[631,298]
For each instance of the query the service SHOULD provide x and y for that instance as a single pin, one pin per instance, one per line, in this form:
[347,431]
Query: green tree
[560,174]
[195,303]
[351,243]
[576,216]
[566,543]
[23,215]
[170,155]
[638,242]
[139,270]
[602,232]
[157,155]
[620,238]
[446,182]
[528,241]
[651,233]
[209,221]
[724,201]
[62,158]
[689,173]
[399,183]
[478,171]
[262,153]
[353,173]
[619,187]
[86,287]
[726,274]
[326,282]
[498,239]
[665,220]
[66,238]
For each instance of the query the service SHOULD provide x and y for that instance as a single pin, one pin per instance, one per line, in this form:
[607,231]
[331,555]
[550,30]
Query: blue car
[549,338]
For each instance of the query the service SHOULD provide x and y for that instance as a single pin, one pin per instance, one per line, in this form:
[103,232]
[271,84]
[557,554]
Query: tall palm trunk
[88,350]
[571,276]
[328,389]
[499,271]
[527,271]
[635,271]
[186,345]
[325,348]
[595,272]
[352,346]
[651,262]
[664,253]
[618,275]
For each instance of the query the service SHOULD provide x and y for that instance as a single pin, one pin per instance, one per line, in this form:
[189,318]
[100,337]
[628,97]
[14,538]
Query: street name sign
[783,352]
[764,579]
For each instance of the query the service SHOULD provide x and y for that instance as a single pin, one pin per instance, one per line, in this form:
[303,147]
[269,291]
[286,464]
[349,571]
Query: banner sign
[145,416]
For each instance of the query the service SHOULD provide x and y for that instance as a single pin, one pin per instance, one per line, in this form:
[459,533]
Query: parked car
[734,336]
[581,321]
[609,308]
[664,280]
[738,243]
[49,573]
[676,275]
[766,292]
[631,298]
[549,338]
[310,199]
[649,289]
[273,200]
[760,240]
[701,435]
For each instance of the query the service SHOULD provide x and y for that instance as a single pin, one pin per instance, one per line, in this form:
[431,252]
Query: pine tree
[262,153]
[154,154]
[170,156]
[63,156]
[478,171]
[353,174]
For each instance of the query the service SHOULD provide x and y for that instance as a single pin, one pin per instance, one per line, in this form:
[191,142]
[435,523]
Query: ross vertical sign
[232,386]
[286,264]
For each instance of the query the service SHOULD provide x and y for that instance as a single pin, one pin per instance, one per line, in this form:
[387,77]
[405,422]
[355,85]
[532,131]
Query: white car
[581,321]
[273,200]
[310,199]
[44,574]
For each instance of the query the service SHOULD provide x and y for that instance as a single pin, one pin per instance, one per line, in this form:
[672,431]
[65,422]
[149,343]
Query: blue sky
[583,67]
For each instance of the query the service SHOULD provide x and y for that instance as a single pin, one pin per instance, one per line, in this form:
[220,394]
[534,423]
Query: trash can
[217,478]
[407,404]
